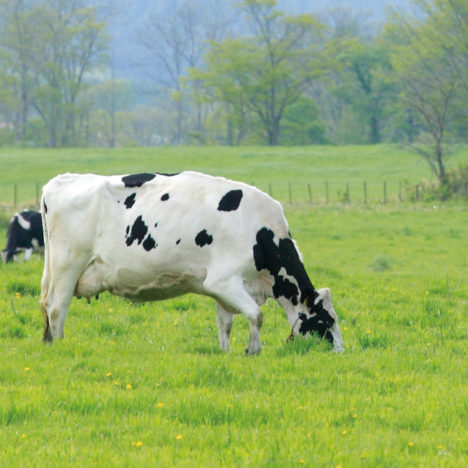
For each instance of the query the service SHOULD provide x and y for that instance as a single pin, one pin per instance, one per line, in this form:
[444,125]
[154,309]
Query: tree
[72,44]
[302,125]
[18,38]
[365,85]
[270,70]
[175,42]
[429,57]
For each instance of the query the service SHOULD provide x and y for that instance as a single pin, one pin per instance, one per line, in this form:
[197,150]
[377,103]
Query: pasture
[145,384]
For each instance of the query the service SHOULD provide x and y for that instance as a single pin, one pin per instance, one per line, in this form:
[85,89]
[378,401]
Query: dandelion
[344,432]
[345,328]
[137,444]
[363,455]
[23,436]
[160,405]
[117,384]
[179,437]
[354,416]
[128,387]
[109,374]
[110,309]
[18,295]
[301,461]
[410,444]
[27,369]
[440,447]
[369,332]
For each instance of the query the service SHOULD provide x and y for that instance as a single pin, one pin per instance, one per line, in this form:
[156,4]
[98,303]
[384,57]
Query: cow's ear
[325,294]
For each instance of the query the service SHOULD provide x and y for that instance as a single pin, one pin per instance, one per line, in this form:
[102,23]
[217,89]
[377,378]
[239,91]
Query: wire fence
[288,192]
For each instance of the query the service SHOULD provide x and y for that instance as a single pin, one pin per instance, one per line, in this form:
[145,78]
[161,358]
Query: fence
[21,195]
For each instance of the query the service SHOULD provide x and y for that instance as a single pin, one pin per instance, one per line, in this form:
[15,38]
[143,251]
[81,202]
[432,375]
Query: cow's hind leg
[224,321]
[231,294]
[55,306]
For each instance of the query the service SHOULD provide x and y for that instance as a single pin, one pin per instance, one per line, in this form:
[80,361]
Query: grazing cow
[154,236]
[24,234]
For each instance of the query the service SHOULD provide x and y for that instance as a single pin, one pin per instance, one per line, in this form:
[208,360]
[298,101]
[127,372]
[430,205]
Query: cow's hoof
[252,353]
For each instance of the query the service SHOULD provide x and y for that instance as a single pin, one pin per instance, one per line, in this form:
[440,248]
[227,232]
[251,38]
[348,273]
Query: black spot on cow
[149,243]
[284,287]
[155,224]
[137,232]
[203,238]
[130,201]
[319,322]
[137,180]
[272,257]
[45,207]
[230,201]
[165,197]
[178,242]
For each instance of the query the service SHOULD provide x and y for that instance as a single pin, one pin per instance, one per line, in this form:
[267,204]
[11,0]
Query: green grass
[265,167]
[145,384]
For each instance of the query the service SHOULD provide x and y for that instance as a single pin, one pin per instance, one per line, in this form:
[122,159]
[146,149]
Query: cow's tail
[45,283]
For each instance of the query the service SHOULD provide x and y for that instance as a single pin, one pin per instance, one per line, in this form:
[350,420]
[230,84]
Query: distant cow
[154,236]
[24,234]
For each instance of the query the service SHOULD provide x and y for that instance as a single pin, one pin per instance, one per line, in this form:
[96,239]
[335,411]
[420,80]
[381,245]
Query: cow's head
[320,317]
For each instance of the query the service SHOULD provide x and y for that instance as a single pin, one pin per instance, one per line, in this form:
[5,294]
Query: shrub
[454,186]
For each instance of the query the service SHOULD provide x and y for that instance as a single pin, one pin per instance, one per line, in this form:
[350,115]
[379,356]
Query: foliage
[49,47]
[454,186]
[234,73]
[267,72]
[427,55]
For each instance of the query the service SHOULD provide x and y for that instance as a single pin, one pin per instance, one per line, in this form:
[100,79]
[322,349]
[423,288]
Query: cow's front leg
[224,321]
[230,292]
[255,321]
[28,253]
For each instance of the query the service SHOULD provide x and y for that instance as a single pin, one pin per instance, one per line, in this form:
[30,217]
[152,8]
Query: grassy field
[267,168]
[145,385]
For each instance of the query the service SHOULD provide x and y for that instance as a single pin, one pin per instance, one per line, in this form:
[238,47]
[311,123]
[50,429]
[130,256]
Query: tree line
[236,73]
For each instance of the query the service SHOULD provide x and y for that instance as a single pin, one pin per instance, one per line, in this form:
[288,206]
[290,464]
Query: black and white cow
[24,234]
[154,236]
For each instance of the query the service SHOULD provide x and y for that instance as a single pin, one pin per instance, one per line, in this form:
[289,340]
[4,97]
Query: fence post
[327,198]
[417,192]
[37,194]
[310,192]
[365,193]
[400,197]
[385,191]
[290,191]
